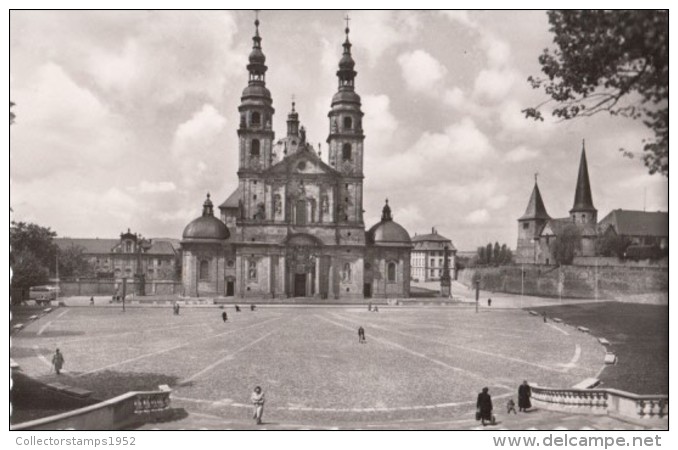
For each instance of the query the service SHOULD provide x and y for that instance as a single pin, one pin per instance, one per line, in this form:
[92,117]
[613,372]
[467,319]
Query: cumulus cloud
[376,32]
[494,85]
[154,187]
[379,118]
[520,154]
[420,70]
[61,126]
[199,139]
[478,217]
[461,17]
[461,141]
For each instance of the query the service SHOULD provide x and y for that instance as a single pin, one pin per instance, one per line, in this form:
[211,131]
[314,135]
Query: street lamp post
[477,293]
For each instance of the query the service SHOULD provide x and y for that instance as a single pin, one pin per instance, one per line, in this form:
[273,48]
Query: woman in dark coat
[484,405]
[524,394]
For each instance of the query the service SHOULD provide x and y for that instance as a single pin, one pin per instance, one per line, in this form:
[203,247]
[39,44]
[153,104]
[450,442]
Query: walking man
[489,302]
[224,316]
[258,402]
[58,361]
[361,335]
[237,308]
[91,301]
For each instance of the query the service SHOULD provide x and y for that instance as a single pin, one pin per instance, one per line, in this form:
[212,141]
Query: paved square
[419,364]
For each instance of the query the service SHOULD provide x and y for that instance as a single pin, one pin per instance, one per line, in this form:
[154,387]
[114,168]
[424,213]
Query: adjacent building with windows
[126,256]
[427,258]
[294,225]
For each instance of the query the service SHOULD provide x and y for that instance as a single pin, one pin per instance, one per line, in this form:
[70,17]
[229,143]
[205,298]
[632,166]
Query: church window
[526,226]
[254,151]
[252,270]
[346,152]
[391,271]
[204,271]
[128,247]
[348,123]
[254,196]
[256,118]
[230,263]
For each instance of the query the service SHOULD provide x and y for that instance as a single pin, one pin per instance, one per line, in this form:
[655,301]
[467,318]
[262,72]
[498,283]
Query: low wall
[649,410]
[118,413]
[93,286]
[570,281]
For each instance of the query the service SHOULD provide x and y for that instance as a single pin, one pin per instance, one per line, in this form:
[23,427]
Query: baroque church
[294,226]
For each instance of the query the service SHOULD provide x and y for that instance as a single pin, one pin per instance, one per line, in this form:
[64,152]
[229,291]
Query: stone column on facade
[317,277]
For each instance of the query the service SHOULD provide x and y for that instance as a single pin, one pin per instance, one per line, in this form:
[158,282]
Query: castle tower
[346,138]
[530,225]
[256,113]
[583,210]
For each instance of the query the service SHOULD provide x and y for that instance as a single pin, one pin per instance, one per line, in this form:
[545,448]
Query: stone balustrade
[611,402]
[123,412]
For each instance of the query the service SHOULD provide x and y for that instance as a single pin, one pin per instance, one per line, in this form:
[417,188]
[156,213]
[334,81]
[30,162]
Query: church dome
[387,231]
[206,226]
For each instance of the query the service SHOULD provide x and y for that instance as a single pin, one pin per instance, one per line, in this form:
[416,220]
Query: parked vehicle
[43,295]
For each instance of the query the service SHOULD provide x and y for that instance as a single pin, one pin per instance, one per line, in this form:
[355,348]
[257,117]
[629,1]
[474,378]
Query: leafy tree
[611,244]
[32,253]
[488,253]
[496,256]
[482,260]
[73,263]
[610,61]
[28,270]
[566,245]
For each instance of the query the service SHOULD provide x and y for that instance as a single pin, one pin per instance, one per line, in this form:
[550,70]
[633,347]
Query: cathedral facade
[294,226]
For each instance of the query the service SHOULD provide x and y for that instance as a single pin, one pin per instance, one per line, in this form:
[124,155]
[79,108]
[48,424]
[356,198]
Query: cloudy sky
[127,119]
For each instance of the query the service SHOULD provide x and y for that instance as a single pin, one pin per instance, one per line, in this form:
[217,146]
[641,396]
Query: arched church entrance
[305,267]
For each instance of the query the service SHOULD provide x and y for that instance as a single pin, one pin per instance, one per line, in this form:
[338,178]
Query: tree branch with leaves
[613,62]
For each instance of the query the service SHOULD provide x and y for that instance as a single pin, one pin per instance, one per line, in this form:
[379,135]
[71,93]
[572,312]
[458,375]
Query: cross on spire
[347,19]
[536,174]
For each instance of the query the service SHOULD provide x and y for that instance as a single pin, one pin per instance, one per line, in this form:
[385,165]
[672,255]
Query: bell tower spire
[255,133]
[345,140]
[583,210]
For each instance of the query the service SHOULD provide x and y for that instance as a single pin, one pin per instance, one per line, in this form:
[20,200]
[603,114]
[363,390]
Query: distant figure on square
[511,406]
[91,301]
[258,402]
[252,307]
[58,361]
[484,407]
[361,335]
[369,306]
[376,308]
[224,316]
[544,316]
[489,302]
[237,308]
[524,394]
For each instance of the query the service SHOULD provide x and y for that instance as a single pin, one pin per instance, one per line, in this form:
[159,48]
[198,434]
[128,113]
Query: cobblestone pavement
[421,367]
